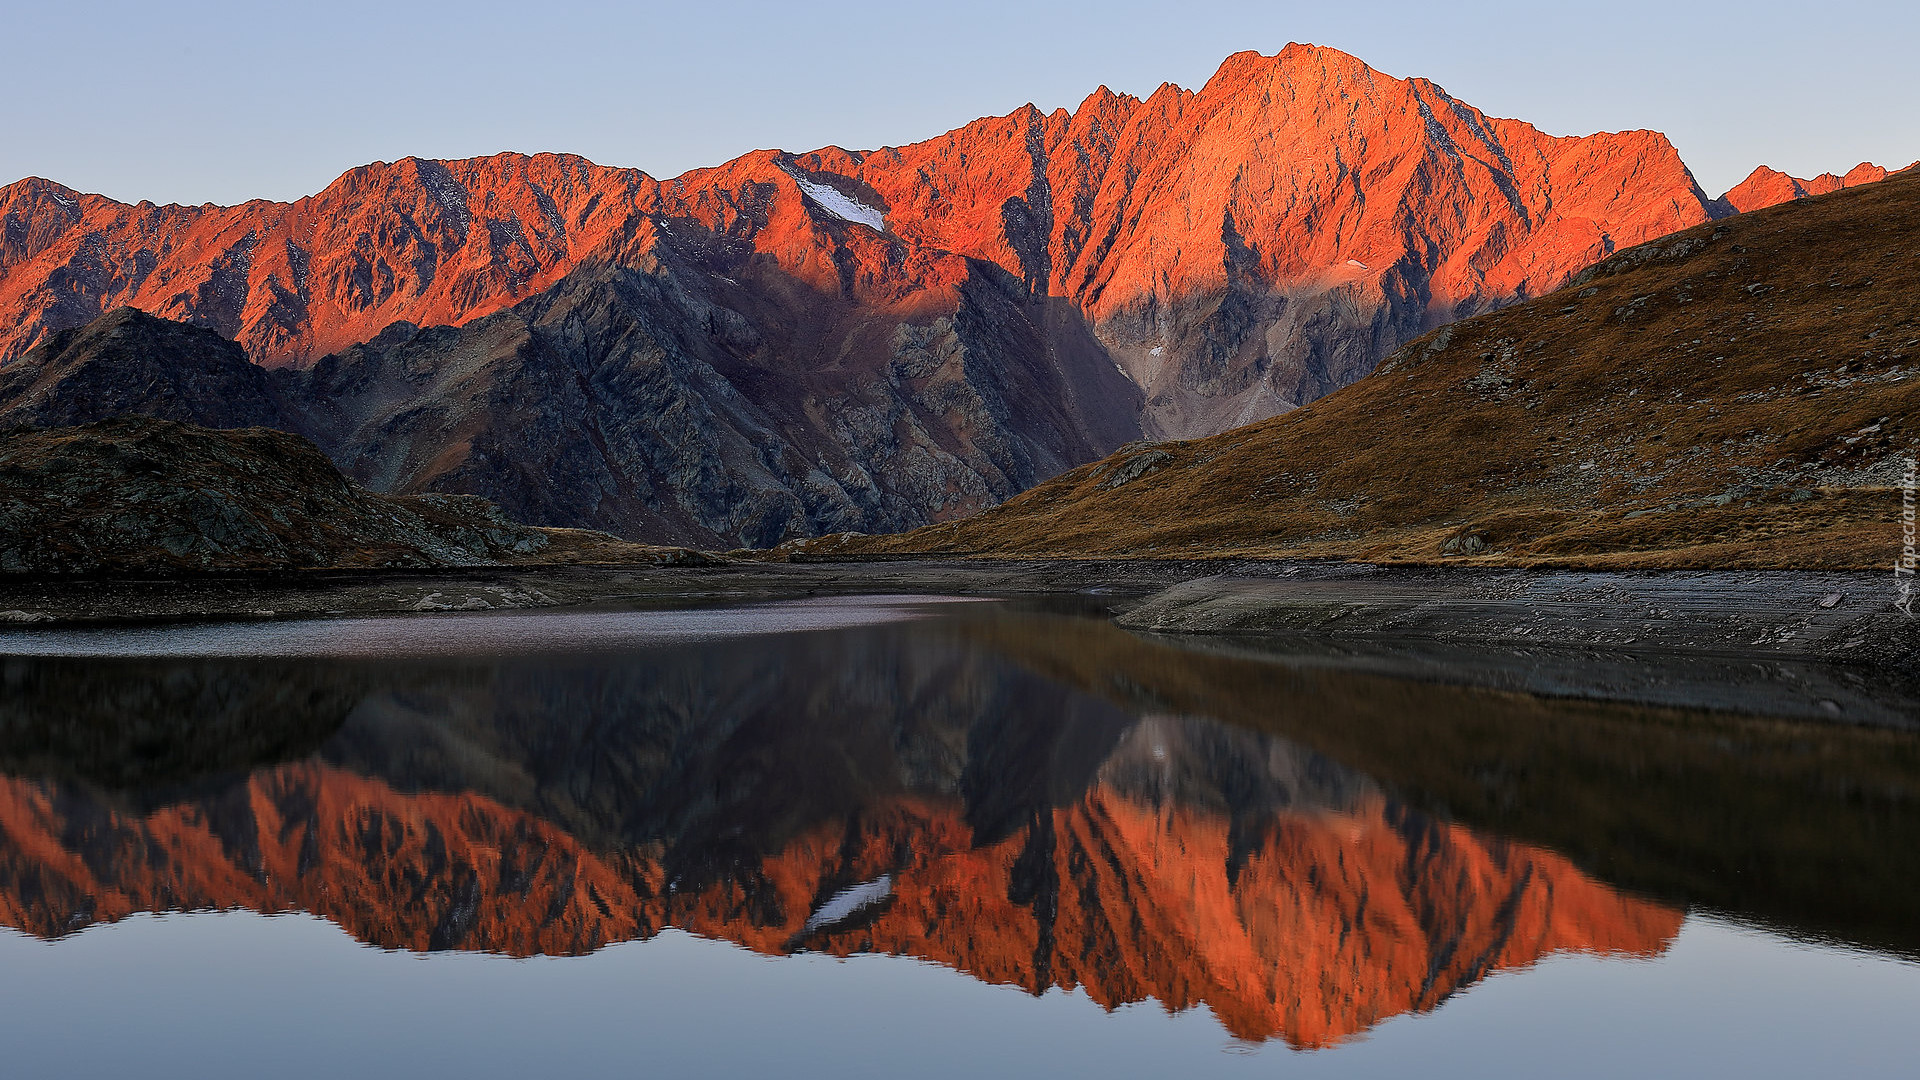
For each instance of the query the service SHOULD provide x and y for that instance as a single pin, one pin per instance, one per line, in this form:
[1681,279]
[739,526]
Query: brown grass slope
[1739,394]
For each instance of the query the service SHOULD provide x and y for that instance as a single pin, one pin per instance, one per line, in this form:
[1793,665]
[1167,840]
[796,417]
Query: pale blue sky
[202,100]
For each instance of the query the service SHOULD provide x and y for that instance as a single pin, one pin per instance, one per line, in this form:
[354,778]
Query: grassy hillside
[1739,394]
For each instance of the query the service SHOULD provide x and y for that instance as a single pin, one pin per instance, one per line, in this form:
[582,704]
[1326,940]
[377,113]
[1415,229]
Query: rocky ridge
[128,363]
[1766,186]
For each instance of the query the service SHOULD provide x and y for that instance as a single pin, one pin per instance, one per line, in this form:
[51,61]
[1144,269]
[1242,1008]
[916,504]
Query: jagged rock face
[1267,239]
[1239,249]
[422,241]
[142,496]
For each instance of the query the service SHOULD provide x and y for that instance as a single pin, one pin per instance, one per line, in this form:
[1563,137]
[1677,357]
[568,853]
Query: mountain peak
[1103,97]
[1297,65]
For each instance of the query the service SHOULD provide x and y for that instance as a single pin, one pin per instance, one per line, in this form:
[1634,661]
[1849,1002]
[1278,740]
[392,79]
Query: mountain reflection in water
[1034,800]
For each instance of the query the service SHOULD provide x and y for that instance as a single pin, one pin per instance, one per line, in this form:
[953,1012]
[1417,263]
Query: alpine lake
[890,835]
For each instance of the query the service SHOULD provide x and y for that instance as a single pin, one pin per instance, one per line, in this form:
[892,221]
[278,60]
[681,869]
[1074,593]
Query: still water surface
[886,836]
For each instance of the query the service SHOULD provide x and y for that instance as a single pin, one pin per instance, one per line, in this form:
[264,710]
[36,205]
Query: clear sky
[208,101]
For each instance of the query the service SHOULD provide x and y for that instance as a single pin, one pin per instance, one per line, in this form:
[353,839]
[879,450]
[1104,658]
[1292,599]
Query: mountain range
[793,344]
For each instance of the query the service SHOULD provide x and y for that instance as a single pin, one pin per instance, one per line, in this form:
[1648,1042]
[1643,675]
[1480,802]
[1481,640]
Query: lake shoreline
[1807,645]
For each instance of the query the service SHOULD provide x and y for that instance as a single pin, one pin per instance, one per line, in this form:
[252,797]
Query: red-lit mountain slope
[1239,249]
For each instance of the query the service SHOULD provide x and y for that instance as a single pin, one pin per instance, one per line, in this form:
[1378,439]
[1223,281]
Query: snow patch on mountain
[839,204]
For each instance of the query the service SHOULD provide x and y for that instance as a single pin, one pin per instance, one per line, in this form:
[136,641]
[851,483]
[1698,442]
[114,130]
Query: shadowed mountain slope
[1741,393]
[718,401]
[129,363]
[677,404]
[144,496]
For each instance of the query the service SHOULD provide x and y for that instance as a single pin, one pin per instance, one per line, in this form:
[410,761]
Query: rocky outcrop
[136,495]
